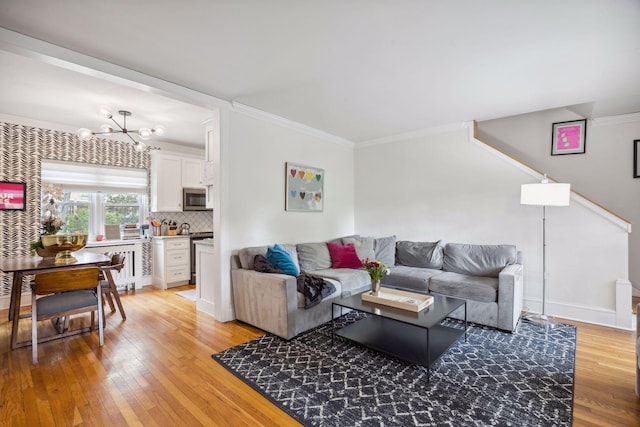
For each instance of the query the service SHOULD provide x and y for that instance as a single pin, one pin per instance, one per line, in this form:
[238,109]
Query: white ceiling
[37,90]
[360,70]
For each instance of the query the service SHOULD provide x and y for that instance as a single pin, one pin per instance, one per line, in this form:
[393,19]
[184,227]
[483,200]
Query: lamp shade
[545,194]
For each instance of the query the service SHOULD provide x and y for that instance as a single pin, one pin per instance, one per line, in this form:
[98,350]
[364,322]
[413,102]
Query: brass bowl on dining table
[63,245]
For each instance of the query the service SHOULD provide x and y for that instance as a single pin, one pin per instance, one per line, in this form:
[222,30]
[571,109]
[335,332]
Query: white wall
[443,187]
[253,154]
[604,173]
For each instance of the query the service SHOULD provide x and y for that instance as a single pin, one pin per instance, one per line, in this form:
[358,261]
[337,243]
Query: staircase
[590,234]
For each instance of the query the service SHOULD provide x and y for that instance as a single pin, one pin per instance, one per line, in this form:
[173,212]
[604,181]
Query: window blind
[94,178]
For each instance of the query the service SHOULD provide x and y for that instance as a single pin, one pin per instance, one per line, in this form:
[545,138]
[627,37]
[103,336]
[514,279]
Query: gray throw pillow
[363,245]
[313,256]
[385,250]
[420,254]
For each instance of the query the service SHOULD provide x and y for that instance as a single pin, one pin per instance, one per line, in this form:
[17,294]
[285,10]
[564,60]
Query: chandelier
[144,133]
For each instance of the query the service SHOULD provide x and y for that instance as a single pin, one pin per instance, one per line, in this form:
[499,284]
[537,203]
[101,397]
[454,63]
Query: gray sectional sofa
[489,277]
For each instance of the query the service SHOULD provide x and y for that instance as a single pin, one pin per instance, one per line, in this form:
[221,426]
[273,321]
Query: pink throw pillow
[343,256]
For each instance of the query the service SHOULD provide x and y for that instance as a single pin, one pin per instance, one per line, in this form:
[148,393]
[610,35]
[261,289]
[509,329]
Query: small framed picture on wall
[569,137]
[636,158]
[304,190]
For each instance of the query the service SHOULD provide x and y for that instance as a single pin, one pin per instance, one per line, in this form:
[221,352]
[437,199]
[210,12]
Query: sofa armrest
[265,300]
[510,295]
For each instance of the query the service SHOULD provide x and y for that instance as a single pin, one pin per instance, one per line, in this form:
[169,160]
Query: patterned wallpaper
[22,149]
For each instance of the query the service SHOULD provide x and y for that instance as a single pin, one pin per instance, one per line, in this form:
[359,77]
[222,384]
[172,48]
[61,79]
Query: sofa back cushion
[478,260]
[313,256]
[385,250]
[420,254]
[364,246]
[246,255]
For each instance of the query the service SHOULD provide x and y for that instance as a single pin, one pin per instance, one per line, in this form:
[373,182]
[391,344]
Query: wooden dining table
[25,266]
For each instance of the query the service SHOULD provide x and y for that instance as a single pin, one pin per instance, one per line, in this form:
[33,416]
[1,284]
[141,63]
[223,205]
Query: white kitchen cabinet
[192,173]
[171,261]
[205,276]
[212,137]
[169,175]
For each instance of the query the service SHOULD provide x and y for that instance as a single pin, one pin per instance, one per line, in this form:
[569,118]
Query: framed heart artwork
[304,190]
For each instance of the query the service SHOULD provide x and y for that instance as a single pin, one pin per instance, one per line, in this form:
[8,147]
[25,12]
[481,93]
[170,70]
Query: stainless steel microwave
[194,199]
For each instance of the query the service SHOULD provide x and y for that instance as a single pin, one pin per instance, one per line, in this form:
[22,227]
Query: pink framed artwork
[569,137]
[12,195]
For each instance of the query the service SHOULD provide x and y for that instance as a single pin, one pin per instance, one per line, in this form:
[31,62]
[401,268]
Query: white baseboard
[205,307]
[587,314]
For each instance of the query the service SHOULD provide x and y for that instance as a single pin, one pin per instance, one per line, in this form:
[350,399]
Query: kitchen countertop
[184,236]
[97,244]
[208,242]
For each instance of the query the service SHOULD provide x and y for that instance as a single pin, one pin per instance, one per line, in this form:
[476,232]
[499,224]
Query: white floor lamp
[544,194]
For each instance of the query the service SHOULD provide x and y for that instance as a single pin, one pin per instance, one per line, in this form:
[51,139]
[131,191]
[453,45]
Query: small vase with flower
[377,270]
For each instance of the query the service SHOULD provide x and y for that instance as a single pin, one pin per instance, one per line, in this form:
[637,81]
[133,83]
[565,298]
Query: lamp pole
[544,194]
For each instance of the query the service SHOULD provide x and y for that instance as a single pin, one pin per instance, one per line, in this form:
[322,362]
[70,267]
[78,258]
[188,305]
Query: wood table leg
[14,307]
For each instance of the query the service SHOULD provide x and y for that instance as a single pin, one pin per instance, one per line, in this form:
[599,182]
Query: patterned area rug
[495,378]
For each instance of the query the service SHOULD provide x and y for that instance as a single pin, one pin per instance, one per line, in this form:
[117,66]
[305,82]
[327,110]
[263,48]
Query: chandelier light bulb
[145,133]
[104,112]
[159,130]
[84,133]
[139,146]
[106,129]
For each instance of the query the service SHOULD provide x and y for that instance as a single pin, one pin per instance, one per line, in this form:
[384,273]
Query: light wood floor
[156,370]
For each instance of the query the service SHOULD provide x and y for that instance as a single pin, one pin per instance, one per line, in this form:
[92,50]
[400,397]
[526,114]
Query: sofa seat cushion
[409,278]
[352,281]
[483,289]
[335,294]
[478,260]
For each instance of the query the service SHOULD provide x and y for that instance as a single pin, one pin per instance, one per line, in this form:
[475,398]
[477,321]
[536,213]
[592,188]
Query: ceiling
[37,90]
[360,70]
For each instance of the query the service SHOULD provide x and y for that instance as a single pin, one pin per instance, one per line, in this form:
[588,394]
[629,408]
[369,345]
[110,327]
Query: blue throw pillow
[282,260]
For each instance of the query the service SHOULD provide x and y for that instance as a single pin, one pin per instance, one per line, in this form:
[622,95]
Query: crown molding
[286,123]
[616,120]
[451,127]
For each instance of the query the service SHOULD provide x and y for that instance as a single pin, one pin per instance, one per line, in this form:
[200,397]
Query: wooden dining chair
[108,284]
[67,292]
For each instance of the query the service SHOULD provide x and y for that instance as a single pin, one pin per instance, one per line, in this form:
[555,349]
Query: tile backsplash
[198,220]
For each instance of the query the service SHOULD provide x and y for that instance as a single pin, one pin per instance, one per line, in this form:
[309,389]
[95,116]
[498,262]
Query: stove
[201,235]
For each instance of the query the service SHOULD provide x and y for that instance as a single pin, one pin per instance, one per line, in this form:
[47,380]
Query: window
[122,208]
[87,196]
[89,212]
[75,211]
